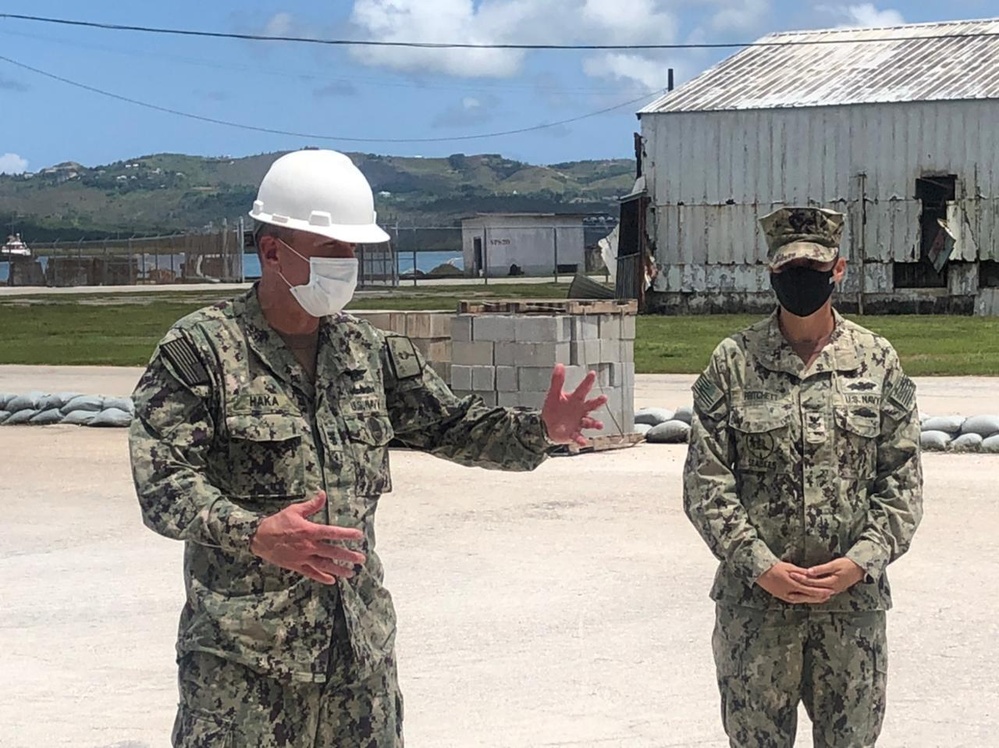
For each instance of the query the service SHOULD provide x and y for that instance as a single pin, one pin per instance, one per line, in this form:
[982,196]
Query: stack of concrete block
[429,331]
[506,359]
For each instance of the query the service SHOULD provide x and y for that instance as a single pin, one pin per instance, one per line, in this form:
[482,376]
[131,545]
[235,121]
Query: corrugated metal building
[896,127]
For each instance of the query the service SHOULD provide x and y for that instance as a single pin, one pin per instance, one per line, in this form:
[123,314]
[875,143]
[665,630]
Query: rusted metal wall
[711,175]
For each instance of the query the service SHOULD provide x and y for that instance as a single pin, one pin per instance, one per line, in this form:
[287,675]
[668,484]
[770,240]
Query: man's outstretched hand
[567,415]
[289,540]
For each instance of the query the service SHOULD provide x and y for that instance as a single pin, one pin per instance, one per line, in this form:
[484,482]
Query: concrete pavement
[566,607]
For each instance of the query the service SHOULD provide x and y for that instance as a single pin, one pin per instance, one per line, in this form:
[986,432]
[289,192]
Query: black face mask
[801,290]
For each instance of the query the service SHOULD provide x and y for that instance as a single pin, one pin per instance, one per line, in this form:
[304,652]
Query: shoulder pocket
[266,457]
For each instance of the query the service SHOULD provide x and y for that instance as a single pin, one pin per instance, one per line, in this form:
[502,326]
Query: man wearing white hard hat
[261,440]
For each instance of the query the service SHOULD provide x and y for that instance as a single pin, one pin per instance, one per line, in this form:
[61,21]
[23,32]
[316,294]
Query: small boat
[14,247]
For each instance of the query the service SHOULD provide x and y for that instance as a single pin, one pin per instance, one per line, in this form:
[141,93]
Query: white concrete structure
[535,242]
[893,126]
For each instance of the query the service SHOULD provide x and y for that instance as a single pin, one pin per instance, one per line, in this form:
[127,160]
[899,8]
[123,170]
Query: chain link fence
[478,253]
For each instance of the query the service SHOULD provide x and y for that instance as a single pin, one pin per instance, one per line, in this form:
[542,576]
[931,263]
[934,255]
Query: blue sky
[373,93]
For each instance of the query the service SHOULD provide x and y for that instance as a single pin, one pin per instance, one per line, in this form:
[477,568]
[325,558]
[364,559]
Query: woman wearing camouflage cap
[803,476]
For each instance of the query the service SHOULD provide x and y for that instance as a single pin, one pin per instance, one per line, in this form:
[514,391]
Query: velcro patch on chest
[403,358]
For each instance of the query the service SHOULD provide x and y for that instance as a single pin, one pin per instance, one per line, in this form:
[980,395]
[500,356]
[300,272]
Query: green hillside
[168,192]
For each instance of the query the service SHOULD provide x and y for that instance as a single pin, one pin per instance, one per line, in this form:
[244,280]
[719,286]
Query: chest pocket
[763,439]
[857,430]
[368,438]
[266,459]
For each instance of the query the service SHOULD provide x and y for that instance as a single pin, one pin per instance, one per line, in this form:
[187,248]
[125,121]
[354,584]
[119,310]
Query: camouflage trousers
[769,661]
[227,705]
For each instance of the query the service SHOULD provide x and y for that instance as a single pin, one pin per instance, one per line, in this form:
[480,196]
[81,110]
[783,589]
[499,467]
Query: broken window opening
[935,242]
[988,274]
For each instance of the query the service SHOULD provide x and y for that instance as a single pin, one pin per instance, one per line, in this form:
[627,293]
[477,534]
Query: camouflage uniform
[803,466]
[230,429]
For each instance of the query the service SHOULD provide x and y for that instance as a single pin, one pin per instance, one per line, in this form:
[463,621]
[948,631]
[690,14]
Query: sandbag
[25,402]
[684,414]
[653,416]
[991,445]
[948,424]
[47,417]
[21,416]
[120,403]
[934,441]
[4,415]
[984,426]
[93,403]
[80,417]
[671,432]
[6,397]
[967,443]
[56,401]
[112,417]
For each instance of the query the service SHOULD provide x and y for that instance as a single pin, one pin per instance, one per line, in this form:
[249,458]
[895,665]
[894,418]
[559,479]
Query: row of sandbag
[940,433]
[960,434]
[66,408]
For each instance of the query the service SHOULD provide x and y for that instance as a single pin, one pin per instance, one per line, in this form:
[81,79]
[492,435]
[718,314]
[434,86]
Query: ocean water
[425,261]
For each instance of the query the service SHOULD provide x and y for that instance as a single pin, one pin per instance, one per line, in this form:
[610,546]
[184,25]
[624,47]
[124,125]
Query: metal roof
[919,62]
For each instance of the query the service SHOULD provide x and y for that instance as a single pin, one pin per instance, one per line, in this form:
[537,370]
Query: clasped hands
[814,586]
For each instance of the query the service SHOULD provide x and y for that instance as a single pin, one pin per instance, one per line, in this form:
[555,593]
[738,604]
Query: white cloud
[647,73]
[866,15]
[471,110]
[280,24]
[739,16]
[11,163]
[509,22]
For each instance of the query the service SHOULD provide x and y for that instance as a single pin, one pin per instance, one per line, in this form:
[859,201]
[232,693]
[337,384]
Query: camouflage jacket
[804,466]
[229,429]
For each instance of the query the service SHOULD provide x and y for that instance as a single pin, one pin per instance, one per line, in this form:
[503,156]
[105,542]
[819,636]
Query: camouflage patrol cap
[806,233]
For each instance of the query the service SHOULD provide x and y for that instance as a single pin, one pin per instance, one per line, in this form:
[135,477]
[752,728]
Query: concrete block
[428,325]
[378,320]
[461,378]
[531,354]
[628,327]
[585,327]
[489,398]
[603,375]
[506,379]
[529,329]
[522,399]
[396,322]
[443,370]
[584,352]
[472,354]
[610,351]
[438,350]
[494,328]
[484,378]
[461,328]
[538,378]
[628,351]
[610,327]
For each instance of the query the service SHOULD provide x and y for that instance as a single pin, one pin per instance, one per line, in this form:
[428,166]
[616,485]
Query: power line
[314,136]
[465,45]
[479,87]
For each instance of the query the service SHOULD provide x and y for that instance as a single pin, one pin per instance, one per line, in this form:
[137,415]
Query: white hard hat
[321,192]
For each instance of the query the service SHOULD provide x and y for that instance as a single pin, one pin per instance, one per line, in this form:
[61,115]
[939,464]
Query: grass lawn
[104,329]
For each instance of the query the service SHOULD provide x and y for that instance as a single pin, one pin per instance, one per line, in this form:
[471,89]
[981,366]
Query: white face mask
[332,281]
